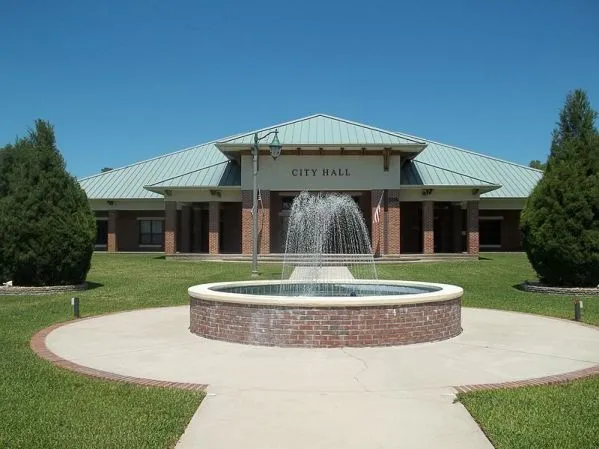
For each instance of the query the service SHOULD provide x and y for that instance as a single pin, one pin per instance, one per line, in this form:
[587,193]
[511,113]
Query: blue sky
[125,81]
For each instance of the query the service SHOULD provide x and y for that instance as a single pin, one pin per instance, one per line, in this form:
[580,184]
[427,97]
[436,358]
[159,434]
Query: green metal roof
[128,182]
[223,174]
[206,166]
[321,129]
[419,174]
[516,181]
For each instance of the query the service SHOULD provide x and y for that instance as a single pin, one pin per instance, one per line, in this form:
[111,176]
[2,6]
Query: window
[101,232]
[151,232]
[490,232]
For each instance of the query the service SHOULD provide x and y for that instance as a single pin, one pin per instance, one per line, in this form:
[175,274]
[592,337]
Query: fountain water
[329,294]
[327,239]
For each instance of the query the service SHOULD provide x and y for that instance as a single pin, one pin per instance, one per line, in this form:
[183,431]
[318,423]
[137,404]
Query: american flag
[377,212]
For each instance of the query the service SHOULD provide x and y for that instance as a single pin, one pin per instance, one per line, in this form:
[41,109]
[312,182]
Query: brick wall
[112,238]
[326,327]
[214,227]
[246,222]
[428,231]
[376,232]
[170,227]
[263,222]
[511,237]
[472,227]
[393,223]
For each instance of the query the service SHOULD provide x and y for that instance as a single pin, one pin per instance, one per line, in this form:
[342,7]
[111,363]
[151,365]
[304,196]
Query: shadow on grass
[93,285]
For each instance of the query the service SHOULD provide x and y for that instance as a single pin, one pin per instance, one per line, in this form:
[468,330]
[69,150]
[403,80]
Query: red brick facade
[393,223]
[330,327]
[264,226]
[424,227]
[246,222]
[264,222]
[170,227]
[112,233]
[376,233]
[428,231]
[472,227]
[214,227]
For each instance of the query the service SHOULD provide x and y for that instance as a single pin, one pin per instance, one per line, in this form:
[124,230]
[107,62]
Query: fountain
[329,294]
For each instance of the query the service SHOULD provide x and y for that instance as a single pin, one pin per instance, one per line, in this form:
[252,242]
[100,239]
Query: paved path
[320,274]
[398,397]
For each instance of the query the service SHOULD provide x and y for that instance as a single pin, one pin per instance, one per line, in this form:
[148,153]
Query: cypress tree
[47,228]
[560,222]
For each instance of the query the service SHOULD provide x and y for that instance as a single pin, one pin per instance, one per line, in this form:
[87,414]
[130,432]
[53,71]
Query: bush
[560,222]
[47,228]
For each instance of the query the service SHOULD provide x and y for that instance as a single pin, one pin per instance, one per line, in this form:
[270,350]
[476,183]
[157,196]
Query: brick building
[431,198]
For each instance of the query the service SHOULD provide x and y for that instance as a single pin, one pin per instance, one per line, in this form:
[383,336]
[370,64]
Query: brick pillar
[456,219]
[112,241]
[428,231]
[170,227]
[264,222]
[377,228]
[393,222]
[186,229]
[214,227]
[472,227]
[246,222]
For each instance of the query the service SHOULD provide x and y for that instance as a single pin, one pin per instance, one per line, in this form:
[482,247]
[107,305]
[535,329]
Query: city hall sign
[320,172]
[313,172]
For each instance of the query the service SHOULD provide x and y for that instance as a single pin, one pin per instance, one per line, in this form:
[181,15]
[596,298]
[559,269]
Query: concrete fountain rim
[446,292]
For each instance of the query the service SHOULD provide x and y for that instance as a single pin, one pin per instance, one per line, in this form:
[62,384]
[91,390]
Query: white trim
[101,218]
[100,245]
[150,218]
[491,246]
[497,217]
[148,245]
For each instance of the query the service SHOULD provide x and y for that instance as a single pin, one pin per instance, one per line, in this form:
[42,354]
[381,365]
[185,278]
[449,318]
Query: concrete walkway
[397,397]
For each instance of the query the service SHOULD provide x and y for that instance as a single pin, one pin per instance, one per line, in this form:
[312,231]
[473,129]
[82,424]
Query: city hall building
[418,197]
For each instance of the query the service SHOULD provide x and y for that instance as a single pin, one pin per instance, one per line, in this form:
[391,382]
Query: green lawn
[46,407]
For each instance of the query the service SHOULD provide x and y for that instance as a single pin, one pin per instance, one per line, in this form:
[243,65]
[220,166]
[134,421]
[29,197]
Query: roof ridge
[469,151]
[384,131]
[247,133]
[332,117]
[457,173]
[188,173]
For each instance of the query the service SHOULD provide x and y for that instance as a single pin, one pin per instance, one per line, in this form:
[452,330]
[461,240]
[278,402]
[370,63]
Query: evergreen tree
[47,228]
[537,164]
[560,222]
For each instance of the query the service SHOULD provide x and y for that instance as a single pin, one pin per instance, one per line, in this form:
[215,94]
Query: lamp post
[275,151]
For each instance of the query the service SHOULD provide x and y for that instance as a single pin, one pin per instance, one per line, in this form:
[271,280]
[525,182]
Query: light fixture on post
[275,151]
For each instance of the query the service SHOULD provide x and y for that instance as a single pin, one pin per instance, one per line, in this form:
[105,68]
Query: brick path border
[38,345]
[535,381]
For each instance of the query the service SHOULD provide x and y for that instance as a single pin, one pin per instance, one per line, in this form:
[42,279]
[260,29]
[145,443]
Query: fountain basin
[382,313]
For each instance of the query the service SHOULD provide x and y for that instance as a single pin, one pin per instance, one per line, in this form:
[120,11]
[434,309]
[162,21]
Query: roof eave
[483,188]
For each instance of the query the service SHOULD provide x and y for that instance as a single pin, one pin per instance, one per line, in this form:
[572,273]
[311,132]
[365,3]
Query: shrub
[47,228]
[560,222]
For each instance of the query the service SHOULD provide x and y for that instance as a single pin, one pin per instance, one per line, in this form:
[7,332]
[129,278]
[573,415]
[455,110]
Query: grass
[42,406]
[560,417]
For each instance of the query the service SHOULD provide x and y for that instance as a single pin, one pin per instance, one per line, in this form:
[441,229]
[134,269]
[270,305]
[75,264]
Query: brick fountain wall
[326,327]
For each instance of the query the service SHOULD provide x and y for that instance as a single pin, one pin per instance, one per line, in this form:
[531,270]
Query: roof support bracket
[386,158]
